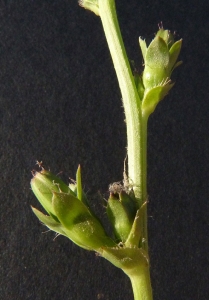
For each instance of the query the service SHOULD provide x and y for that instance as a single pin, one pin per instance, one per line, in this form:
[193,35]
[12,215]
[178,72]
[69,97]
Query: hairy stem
[141,285]
[136,122]
[130,97]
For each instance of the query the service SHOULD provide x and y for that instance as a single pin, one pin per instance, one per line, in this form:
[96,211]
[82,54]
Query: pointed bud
[160,59]
[130,203]
[119,217]
[43,185]
[68,214]
[79,224]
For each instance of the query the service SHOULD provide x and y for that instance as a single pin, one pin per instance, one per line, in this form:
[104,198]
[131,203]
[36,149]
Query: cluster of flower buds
[160,59]
[69,214]
[68,211]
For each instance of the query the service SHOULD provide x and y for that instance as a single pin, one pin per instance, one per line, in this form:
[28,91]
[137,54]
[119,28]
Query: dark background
[60,103]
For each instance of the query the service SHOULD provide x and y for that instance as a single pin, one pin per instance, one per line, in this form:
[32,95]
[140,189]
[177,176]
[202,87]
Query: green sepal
[49,222]
[43,185]
[143,47]
[79,224]
[153,96]
[129,203]
[79,184]
[135,237]
[119,217]
[157,55]
[79,189]
[166,35]
[174,53]
[126,258]
[156,63]
[68,208]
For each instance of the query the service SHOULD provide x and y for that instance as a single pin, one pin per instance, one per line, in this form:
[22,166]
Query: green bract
[160,59]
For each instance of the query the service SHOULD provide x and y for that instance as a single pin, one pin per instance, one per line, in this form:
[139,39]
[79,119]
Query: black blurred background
[60,103]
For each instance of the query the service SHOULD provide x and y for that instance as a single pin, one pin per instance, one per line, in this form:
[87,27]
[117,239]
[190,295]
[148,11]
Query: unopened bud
[119,217]
[68,214]
[160,59]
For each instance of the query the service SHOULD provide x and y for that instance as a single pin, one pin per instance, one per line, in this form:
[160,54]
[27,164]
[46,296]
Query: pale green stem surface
[130,97]
[141,286]
[136,122]
[136,131]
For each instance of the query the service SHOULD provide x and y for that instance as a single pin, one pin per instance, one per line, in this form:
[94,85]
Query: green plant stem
[130,97]
[136,131]
[144,176]
[136,122]
[141,285]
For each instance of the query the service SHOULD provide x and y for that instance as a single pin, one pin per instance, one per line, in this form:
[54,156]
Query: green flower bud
[120,217]
[129,202]
[44,184]
[68,214]
[79,224]
[160,59]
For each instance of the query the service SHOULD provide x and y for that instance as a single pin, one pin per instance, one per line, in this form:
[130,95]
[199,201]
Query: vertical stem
[130,97]
[136,122]
[144,176]
[136,132]
[141,285]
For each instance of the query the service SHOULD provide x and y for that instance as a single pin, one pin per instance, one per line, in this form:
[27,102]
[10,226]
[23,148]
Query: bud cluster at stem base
[69,214]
